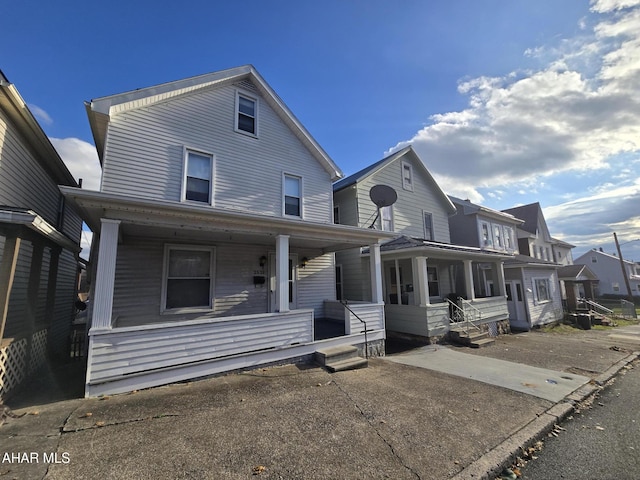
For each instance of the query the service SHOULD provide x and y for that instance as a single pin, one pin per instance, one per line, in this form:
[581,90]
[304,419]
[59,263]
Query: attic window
[407,176]
[246,114]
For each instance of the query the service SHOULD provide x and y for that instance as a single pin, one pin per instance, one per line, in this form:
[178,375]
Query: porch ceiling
[158,218]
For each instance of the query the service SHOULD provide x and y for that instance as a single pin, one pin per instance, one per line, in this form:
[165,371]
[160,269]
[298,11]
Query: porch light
[263,261]
[304,262]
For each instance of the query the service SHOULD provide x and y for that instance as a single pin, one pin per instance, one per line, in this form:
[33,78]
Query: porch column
[468,280]
[105,274]
[7,274]
[376,273]
[396,266]
[421,278]
[282,273]
[500,279]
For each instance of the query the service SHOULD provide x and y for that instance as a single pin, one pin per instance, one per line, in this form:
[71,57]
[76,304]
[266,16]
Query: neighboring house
[533,274]
[39,245]
[608,271]
[422,269]
[216,235]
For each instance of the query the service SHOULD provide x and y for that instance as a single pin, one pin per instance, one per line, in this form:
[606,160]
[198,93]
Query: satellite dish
[383,195]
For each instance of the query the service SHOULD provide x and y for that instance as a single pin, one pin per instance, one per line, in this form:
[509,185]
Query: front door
[515,304]
[293,276]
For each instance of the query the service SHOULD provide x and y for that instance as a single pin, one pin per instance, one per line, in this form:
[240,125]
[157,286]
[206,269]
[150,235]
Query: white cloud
[85,243]
[81,159]
[574,114]
[41,115]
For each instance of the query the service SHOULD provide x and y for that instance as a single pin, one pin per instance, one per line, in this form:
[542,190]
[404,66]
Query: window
[197,177]
[292,196]
[247,114]
[432,280]
[188,277]
[339,282]
[485,235]
[428,226]
[615,286]
[407,176]
[508,238]
[594,259]
[497,235]
[543,293]
[336,214]
[386,218]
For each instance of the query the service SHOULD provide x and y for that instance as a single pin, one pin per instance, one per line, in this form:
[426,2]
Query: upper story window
[508,238]
[485,235]
[198,174]
[407,176]
[246,114]
[497,235]
[428,226]
[292,196]
[386,218]
[336,214]
[594,259]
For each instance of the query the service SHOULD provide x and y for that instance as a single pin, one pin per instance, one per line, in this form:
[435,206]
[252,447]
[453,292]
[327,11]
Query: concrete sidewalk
[389,420]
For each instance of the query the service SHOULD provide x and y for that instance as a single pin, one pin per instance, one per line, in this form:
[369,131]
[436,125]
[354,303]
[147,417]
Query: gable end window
[188,278]
[246,114]
[407,176]
[198,174]
[292,196]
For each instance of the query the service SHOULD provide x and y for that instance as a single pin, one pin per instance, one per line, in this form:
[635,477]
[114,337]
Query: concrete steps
[338,359]
[473,339]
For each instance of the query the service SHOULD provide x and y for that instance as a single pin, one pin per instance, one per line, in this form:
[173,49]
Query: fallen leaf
[257,470]
[88,414]
[99,424]
[598,427]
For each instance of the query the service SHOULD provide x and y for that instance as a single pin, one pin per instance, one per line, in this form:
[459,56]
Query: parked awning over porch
[158,217]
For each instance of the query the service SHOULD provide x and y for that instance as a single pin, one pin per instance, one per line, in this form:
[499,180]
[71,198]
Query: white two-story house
[216,235]
[429,280]
[611,274]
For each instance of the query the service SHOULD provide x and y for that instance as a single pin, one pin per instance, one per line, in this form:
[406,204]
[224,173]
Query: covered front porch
[430,287]
[181,292]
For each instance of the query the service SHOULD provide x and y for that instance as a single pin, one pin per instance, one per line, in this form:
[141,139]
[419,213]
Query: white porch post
[500,279]
[282,273]
[421,279]
[468,280]
[105,274]
[397,281]
[376,273]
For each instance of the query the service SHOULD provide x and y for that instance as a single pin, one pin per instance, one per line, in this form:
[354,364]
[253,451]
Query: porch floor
[324,328]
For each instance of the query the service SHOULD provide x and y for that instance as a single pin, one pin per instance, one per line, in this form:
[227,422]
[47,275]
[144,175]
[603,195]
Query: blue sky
[507,101]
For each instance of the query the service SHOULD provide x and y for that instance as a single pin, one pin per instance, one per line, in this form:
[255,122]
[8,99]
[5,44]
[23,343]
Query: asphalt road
[600,443]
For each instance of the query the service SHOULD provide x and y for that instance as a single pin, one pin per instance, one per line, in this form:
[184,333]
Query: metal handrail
[629,307]
[366,342]
[596,306]
[464,313]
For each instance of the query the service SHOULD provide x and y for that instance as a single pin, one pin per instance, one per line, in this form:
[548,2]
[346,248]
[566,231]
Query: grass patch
[563,328]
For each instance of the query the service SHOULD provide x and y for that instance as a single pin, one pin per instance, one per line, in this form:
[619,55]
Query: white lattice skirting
[16,365]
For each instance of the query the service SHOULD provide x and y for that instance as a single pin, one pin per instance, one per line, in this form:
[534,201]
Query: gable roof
[532,216]
[379,165]
[587,255]
[469,208]
[576,272]
[100,109]
[18,112]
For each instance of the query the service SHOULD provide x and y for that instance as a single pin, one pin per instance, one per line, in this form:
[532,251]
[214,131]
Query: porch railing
[465,313]
[366,340]
[628,309]
[596,307]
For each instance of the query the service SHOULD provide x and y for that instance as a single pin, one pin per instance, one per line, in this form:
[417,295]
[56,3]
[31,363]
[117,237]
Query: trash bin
[584,321]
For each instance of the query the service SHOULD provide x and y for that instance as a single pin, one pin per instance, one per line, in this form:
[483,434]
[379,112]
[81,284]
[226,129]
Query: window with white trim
[292,196]
[428,226]
[188,278]
[485,235]
[407,176]
[497,235]
[542,287]
[432,281]
[198,175]
[386,218]
[508,238]
[246,114]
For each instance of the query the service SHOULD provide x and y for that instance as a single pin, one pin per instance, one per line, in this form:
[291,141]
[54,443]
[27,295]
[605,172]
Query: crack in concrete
[121,422]
[372,425]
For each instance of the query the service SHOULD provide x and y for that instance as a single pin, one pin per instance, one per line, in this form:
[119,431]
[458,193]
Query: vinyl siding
[145,147]
[408,210]
[138,281]
[545,312]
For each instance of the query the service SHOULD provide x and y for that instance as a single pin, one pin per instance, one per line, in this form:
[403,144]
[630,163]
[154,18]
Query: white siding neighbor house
[216,235]
[534,273]
[39,245]
[608,271]
[428,281]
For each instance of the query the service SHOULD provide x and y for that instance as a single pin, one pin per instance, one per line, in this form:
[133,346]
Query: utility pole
[624,270]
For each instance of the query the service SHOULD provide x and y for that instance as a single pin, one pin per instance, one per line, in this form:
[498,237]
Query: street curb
[491,464]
